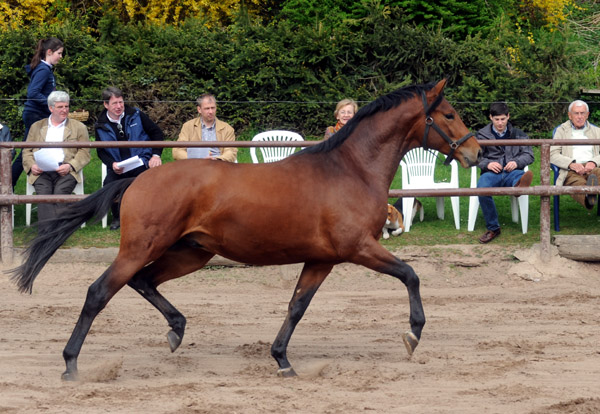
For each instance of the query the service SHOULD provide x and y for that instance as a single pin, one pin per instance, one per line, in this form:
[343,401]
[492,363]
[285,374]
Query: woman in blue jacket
[47,54]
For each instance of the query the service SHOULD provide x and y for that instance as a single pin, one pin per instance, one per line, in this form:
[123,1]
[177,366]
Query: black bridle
[430,123]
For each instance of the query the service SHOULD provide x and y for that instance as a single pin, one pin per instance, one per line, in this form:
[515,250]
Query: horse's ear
[439,87]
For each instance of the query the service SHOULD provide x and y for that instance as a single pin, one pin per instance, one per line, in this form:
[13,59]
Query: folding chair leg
[439,202]
[524,210]
[102,177]
[556,213]
[514,208]
[28,215]
[454,201]
[407,208]
[473,210]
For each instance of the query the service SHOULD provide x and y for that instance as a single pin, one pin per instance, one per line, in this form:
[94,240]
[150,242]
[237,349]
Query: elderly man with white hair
[55,170]
[578,163]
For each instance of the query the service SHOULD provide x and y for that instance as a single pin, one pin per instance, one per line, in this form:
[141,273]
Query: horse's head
[445,131]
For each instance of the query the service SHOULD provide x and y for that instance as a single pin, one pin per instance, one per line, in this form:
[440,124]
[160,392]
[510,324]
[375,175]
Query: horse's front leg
[310,279]
[376,257]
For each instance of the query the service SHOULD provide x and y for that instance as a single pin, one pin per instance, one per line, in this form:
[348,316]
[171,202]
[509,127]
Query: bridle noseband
[429,123]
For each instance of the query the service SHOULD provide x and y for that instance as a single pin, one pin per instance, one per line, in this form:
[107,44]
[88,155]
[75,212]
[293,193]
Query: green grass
[574,218]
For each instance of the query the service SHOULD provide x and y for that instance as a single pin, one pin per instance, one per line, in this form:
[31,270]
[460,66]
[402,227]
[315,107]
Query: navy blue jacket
[5,136]
[41,85]
[137,127]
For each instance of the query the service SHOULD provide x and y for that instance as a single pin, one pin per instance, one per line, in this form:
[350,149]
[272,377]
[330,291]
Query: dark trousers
[112,176]
[17,169]
[49,183]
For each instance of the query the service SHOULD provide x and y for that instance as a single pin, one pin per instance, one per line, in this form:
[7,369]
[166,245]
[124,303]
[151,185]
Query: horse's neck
[375,153]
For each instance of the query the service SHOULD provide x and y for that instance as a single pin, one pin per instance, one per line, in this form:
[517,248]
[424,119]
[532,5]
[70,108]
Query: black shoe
[116,223]
[489,235]
[591,199]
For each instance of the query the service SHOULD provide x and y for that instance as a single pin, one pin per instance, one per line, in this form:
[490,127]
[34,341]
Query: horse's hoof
[286,372]
[410,342]
[69,376]
[174,340]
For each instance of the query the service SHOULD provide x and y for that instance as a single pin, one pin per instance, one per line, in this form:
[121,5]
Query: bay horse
[322,206]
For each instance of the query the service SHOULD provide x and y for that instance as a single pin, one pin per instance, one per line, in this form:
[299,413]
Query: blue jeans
[491,179]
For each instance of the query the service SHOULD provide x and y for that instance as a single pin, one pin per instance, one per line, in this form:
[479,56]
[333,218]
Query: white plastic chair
[418,167]
[517,204]
[30,190]
[272,154]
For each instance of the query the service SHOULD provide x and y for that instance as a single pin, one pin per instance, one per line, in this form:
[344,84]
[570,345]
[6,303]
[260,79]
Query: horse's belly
[268,250]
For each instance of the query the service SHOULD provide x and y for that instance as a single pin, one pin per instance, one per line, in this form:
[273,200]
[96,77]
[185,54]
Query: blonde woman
[344,111]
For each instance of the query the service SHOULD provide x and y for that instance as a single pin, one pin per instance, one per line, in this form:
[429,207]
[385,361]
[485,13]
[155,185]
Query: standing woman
[47,54]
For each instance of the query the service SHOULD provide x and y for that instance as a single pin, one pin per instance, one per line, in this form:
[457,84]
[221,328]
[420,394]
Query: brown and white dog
[393,222]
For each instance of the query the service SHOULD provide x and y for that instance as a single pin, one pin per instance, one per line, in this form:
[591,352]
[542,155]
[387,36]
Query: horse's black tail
[59,229]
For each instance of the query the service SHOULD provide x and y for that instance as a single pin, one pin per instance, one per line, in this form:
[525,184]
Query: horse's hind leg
[99,294]
[376,257]
[179,260]
[310,279]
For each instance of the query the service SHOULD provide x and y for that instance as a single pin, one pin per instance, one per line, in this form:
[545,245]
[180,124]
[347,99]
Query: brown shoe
[525,180]
[489,235]
[591,199]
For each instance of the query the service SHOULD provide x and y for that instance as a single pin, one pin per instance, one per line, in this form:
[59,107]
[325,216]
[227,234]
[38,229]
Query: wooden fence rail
[544,190]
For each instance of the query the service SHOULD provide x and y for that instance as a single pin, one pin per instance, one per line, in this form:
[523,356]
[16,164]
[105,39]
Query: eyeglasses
[120,128]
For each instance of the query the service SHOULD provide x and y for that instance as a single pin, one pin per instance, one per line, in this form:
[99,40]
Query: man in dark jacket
[119,122]
[501,166]
[4,133]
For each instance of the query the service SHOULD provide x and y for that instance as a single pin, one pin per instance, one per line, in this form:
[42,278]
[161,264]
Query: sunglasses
[120,128]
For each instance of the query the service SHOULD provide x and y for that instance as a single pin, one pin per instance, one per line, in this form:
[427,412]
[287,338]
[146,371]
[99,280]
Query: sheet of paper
[201,152]
[130,163]
[48,159]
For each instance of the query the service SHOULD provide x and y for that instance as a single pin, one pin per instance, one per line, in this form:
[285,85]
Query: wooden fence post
[6,230]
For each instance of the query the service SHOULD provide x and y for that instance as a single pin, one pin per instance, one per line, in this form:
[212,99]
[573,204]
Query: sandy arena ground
[503,336]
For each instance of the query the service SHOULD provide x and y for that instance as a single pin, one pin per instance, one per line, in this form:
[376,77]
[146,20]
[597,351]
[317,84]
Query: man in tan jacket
[206,127]
[578,163]
[57,171]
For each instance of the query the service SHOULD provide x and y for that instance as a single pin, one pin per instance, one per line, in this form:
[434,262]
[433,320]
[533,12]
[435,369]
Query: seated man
[5,136]
[120,122]
[206,127]
[501,166]
[55,170]
[578,163]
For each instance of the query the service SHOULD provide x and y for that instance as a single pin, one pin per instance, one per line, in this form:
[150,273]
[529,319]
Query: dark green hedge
[285,76]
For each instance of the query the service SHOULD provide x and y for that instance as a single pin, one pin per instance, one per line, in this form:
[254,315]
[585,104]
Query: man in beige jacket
[578,163]
[206,127]
[57,171]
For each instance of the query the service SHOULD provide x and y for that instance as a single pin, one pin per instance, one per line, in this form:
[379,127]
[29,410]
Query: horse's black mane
[381,104]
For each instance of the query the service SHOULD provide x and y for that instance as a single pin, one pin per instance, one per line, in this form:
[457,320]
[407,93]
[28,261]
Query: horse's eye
[449,116]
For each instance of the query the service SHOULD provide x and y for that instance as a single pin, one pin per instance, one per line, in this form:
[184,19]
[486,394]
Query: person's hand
[154,162]
[577,168]
[510,166]
[117,169]
[495,167]
[63,169]
[35,170]
[589,166]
